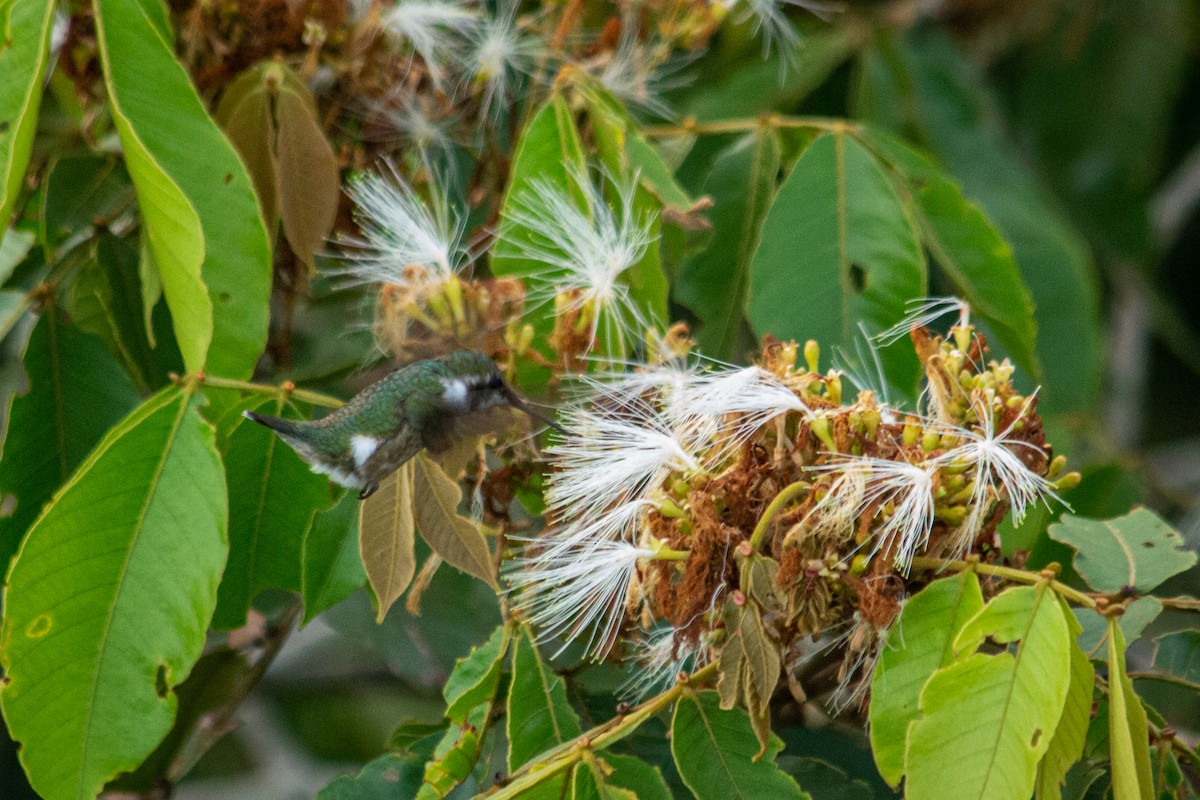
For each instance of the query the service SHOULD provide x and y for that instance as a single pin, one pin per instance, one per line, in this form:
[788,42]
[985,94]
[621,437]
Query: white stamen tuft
[433,28]
[924,312]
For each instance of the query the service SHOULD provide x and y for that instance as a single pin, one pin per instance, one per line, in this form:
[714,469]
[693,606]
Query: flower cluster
[684,498]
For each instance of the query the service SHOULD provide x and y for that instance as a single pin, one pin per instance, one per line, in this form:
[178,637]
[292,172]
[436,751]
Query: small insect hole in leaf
[1037,737]
[858,278]
[160,681]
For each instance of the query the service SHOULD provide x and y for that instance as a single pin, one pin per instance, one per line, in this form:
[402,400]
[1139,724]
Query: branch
[285,390]
[1009,573]
[746,124]
[566,755]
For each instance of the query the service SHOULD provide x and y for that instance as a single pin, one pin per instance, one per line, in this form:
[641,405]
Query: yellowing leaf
[385,538]
[992,716]
[1128,736]
[452,536]
[309,188]
[1067,745]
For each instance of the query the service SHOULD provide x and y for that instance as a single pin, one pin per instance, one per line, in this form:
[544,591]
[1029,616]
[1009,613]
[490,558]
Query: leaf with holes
[715,752]
[1138,550]
[385,778]
[838,247]
[452,536]
[76,393]
[385,538]
[109,598]
[23,58]
[539,716]
[455,756]
[993,716]
[919,642]
[476,676]
[272,498]
[197,202]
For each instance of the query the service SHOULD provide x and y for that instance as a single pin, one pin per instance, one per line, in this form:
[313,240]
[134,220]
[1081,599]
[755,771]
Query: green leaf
[452,536]
[824,781]
[76,393]
[456,755]
[549,149]
[1066,747]
[331,567]
[386,778]
[715,752]
[272,498]
[970,250]
[838,248]
[1138,615]
[14,247]
[923,85]
[106,300]
[1138,550]
[25,49]
[385,538]
[1128,736]
[13,305]
[1178,653]
[713,283]
[992,716]
[539,716]
[197,203]
[919,643]
[634,775]
[79,192]
[476,677]
[109,598]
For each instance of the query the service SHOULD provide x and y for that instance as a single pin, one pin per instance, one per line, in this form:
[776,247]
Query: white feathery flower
[620,523]
[414,122]
[577,591]
[639,73]
[500,52]
[433,28]
[770,20]
[994,455]
[864,368]
[922,313]
[585,249]
[660,657]
[606,460]
[404,242]
[908,488]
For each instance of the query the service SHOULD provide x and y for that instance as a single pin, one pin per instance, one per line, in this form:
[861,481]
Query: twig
[1008,573]
[783,498]
[566,755]
[287,389]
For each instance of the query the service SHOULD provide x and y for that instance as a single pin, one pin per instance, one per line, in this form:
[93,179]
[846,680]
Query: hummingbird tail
[285,426]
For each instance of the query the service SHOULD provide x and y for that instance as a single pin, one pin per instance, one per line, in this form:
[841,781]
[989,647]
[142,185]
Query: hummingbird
[427,405]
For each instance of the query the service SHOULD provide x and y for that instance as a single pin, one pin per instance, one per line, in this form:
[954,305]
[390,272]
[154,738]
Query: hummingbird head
[474,383]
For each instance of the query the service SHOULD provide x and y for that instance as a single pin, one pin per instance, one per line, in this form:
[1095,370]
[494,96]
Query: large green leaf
[713,282]
[79,193]
[1128,736]
[1094,636]
[919,643]
[76,393]
[197,202]
[1066,747]
[992,716]
[838,248]
[716,751]
[331,567]
[969,249]
[109,598]
[272,498]
[1178,654]
[106,300]
[24,49]
[549,149]
[539,716]
[921,84]
[1138,550]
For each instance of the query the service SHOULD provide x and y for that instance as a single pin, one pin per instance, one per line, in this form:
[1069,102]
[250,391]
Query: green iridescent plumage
[429,404]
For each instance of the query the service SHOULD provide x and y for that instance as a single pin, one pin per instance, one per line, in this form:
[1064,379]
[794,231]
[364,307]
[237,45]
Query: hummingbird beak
[519,403]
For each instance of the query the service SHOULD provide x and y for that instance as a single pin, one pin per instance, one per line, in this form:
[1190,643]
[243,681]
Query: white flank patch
[362,447]
[338,476]
[455,392]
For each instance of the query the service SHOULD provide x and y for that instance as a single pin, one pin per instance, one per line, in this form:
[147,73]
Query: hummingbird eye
[495,381]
